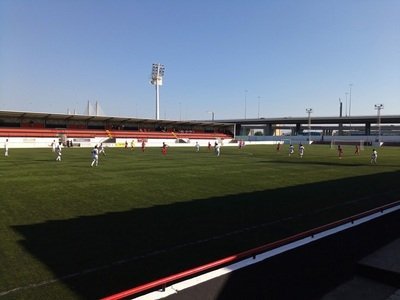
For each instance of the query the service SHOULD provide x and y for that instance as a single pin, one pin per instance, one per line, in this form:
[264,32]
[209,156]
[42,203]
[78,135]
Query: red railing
[161,283]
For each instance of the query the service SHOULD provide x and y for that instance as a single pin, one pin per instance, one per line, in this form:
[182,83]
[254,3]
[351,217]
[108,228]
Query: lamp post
[258,114]
[309,111]
[340,115]
[350,85]
[245,104]
[379,107]
[157,74]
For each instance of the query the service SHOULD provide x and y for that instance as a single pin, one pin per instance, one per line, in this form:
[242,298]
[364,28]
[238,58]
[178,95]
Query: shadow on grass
[95,256]
[341,163]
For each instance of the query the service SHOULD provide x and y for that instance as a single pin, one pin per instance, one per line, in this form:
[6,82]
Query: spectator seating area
[93,133]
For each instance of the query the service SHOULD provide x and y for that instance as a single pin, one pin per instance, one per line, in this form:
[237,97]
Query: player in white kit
[95,156]
[301,151]
[58,152]
[6,148]
[217,149]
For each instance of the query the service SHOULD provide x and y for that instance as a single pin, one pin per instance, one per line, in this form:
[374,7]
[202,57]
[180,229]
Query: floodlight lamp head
[157,74]
[157,70]
[161,70]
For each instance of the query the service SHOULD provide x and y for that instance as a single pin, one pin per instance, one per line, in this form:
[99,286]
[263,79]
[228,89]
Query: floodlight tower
[309,111]
[350,85]
[379,107]
[157,75]
[212,115]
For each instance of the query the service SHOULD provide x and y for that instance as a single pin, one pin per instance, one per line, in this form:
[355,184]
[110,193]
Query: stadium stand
[91,133]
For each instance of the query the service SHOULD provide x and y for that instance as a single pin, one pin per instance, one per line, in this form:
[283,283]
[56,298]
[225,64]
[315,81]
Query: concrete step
[383,265]
[361,288]
[395,296]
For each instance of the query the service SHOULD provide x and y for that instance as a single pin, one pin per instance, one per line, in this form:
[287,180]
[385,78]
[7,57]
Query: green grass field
[71,231]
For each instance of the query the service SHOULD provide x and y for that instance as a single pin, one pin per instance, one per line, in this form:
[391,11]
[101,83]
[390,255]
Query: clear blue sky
[288,54]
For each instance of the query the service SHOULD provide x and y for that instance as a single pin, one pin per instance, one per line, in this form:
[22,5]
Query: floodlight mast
[212,115]
[157,75]
[309,111]
[379,107]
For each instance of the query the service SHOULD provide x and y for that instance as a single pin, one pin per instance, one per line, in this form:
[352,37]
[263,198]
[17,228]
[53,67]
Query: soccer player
[278,147]
[54,146]
[143,145]
[102,150]
[95,156]
[291,149]
[164,148]
[58,151]
[340,151]
[301,150]
[6,148]
[374,156]
[357,152]
[217,149]
[197,147]
[209,146]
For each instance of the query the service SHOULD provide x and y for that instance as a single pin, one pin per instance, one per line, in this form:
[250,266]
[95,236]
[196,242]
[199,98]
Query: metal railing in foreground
[163,282]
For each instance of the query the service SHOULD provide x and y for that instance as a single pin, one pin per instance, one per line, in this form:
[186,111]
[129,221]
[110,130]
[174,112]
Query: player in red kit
[164,148]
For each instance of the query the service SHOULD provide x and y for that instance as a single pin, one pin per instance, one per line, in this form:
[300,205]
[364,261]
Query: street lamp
[350,85]
[309,111]
[245,104]
[340,115]
[379,107]
[157,74]
[258,114]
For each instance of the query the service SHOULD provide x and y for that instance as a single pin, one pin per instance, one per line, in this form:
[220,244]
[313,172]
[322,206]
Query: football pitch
[71,231]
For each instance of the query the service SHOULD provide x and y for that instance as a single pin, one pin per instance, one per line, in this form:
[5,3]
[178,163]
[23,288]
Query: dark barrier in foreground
[163,282]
